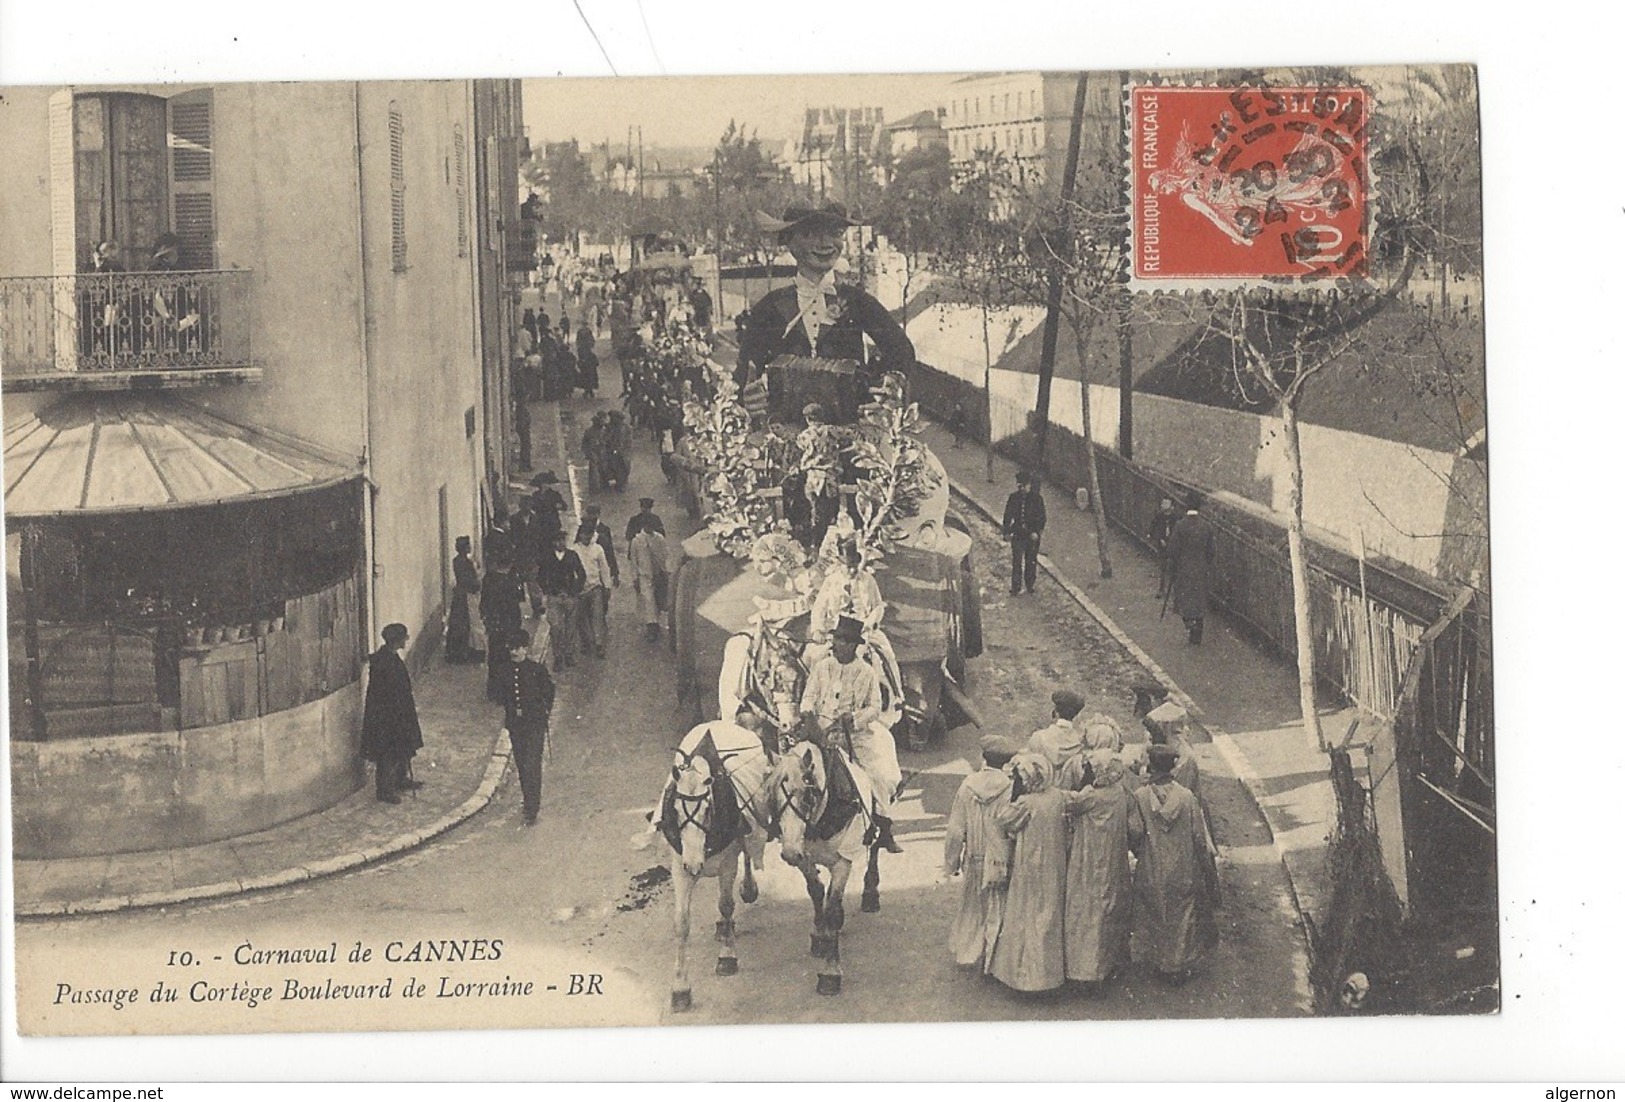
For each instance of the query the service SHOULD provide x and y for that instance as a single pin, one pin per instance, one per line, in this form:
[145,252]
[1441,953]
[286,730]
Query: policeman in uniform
[527,701]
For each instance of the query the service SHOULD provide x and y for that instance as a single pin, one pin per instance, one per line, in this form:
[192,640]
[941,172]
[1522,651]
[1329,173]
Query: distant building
[840,153]
[921,130]
[1021,116]
[235,454]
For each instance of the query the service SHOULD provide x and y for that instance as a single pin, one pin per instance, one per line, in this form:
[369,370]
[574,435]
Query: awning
[121,453]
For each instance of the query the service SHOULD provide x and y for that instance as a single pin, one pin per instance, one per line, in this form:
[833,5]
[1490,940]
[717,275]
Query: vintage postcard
[965,547]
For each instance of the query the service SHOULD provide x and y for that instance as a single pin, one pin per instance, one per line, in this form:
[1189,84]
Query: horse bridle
[693,810]
[789,800]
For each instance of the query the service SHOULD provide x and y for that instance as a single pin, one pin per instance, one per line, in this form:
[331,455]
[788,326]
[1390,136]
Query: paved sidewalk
[1246,700]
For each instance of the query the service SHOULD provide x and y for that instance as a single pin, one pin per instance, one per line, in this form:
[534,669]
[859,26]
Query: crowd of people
[1079,852]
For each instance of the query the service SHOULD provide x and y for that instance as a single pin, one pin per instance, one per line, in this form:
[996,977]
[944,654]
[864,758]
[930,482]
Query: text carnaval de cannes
[252,994]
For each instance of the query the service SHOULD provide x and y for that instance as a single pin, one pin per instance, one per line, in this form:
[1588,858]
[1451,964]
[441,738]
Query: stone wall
[128,793]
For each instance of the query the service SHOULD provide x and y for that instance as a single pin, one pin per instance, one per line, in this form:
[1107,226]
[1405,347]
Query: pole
[1125,335]
[1059,257]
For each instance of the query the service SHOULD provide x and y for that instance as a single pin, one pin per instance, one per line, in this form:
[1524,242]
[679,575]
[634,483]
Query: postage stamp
[1249,184]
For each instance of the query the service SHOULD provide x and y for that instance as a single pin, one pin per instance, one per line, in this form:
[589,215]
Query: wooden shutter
[191,177]
[397,188]
[460,156]
[64,238]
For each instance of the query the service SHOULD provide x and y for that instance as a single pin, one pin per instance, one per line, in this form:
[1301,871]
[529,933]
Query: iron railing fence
[146,321]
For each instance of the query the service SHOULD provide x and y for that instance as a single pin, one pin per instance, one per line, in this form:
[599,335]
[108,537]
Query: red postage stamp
[1244,184]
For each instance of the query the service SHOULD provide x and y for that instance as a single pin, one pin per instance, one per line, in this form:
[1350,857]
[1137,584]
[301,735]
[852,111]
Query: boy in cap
[1060,740]
[977,846]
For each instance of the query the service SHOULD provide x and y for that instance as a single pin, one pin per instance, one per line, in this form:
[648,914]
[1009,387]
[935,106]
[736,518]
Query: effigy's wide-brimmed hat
[803,215]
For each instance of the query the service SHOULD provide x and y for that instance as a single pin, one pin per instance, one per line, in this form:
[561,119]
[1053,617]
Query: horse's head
[694,799]
[801,790]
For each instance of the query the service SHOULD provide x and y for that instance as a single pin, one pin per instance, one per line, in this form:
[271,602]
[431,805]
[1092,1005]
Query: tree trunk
[1092,472]
[1300,576]
[987,384]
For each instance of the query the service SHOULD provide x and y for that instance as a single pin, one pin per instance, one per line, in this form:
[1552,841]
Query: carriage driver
[843,694]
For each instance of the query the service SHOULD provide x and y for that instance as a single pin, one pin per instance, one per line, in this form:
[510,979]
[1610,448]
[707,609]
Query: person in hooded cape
[1173,896]
[1030,953]
[977,847]
[1099,883]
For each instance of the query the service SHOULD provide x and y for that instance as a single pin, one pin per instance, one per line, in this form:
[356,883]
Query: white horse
[825,822]
[712,812]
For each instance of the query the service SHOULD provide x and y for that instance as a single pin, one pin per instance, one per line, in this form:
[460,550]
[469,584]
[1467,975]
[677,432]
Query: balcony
[147,330]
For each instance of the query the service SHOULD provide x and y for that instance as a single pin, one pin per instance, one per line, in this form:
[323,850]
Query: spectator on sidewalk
[956,423]
[390,734]
[1162,527]
[1191,549]
[527,701]
[977,847]
[1024,521]
[1175,881]
[465,584]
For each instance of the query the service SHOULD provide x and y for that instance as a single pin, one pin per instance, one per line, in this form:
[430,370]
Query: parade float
[815,488]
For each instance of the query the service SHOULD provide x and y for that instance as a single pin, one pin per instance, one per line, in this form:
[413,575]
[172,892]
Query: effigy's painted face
[816,248]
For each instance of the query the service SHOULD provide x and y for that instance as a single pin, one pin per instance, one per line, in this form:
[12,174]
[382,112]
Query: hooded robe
[1030,954]
[1171,930]
[978,847]
[1099,883]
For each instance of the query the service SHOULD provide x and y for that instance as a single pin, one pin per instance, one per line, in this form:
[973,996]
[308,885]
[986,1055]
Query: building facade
[1022,117]
[283,400]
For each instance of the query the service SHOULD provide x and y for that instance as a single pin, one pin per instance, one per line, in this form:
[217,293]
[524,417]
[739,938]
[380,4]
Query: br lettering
[591,984]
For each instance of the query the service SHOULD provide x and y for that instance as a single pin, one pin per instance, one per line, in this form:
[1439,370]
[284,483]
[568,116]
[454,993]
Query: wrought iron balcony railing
[77,325]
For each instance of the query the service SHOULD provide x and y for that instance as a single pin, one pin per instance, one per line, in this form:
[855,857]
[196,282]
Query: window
[459,151]
[129,168]
[397,188]
[1007,105]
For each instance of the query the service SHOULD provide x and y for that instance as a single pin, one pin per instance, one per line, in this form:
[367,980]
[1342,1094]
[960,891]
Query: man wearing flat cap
[814,316]
[1060,740]
[843,694]
[977,846]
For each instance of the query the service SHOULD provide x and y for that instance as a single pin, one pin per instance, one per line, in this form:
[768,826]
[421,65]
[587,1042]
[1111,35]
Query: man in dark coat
[814,316]
[1024,521]
[390,734]
[502,599]
[527,701]
[562,579]
[1190,565]
[1162,528]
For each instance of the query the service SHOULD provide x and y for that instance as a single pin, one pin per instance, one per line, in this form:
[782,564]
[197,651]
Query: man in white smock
[843,694]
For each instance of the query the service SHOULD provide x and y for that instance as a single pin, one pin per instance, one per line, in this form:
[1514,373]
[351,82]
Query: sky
[694,111]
